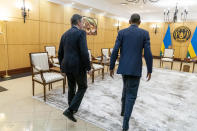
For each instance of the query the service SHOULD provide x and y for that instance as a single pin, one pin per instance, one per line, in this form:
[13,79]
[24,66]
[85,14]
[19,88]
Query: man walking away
[131,42]
[74,62]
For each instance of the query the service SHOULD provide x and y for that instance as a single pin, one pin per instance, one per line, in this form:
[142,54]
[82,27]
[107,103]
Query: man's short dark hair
[135,18]
[75,18]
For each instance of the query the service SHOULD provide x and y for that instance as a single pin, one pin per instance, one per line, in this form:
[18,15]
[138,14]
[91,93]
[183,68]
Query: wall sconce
[25,11]
[155,28]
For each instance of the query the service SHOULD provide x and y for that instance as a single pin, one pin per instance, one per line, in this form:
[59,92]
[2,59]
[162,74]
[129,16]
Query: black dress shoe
[69,115]
[124,130]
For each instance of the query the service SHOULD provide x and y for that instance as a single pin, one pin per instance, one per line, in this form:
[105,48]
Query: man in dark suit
[74,62]
[131,42]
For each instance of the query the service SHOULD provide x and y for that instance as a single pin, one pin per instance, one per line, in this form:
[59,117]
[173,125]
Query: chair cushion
[40,60]
[49,77]
[168,53]
[90,55]
[56,65]
[55,60]
[167,59]
[98,58]
[51,50]
[97,66]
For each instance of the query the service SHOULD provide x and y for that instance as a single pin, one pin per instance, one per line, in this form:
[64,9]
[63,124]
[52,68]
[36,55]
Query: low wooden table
[186,60]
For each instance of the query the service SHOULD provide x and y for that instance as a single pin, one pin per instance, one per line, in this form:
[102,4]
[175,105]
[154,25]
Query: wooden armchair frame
[166,58]
[93,65]
[40,71]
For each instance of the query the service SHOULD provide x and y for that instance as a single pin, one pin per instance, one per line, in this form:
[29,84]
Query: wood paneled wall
[48,21]
[45,25]
[156,39]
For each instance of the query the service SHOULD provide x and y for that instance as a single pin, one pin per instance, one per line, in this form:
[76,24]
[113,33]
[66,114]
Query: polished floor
[19,112]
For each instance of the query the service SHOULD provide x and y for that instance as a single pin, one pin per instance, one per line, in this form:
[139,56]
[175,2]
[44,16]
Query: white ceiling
[152,12]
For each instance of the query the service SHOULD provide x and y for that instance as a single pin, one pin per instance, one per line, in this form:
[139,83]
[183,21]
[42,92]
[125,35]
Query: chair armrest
[37,68]
[40,71]
[93,58]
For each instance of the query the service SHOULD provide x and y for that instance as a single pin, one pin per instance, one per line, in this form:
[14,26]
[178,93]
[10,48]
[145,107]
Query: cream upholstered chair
[42,74]
[105,59]
[111,50]
[52,55]
[95,67]
[168,56]
[105,55]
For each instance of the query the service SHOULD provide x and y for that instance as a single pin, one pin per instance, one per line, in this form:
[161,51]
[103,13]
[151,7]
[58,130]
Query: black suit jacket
[73,52]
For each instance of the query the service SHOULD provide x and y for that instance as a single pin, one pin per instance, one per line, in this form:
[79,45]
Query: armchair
[42,74]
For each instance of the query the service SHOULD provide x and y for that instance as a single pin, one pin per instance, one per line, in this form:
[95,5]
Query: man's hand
[112,73]
[148,76]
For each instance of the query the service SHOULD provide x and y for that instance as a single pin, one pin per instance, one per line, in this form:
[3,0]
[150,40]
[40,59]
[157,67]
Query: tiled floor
[19,112]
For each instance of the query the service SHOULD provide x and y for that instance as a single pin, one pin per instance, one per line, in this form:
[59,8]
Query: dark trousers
[129,95]
[75,97]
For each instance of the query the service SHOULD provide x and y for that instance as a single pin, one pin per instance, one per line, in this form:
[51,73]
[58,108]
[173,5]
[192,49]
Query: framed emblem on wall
[182,34]
[90,25]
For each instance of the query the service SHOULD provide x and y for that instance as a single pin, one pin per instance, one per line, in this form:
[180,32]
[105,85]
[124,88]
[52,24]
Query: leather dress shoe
[69,115]
[124,130]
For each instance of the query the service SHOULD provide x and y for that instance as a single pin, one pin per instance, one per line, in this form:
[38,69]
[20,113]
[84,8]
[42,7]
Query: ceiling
[150,12]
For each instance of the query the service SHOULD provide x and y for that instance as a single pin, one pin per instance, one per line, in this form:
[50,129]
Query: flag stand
[6,49]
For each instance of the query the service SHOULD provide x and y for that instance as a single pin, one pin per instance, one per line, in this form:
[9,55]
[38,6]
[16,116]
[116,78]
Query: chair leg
[171,65]
[103,73]
[65,80]
[49,87]
[193,67]
[92,76]
[33,87]
[45,93]
[63,86]
[160,63]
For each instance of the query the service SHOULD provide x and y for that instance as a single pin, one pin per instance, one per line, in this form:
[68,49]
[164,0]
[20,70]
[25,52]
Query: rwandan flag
[192,49]
[166,41]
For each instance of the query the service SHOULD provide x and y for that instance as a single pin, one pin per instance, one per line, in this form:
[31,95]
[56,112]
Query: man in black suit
[74,62]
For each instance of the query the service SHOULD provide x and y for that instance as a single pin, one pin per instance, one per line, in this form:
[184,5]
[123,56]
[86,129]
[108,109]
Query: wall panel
[20,33]
[19,55]
[2,57]
[51,12]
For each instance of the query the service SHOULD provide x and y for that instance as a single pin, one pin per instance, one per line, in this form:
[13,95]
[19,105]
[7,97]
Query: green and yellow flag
[192,49]
[166,41]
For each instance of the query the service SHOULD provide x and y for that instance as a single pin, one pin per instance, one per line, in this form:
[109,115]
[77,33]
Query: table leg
[181,66]
[193,67]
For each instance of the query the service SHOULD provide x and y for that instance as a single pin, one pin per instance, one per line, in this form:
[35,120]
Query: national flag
[192,49]
[166,41]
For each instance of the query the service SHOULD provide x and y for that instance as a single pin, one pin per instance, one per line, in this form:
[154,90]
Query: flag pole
[6,49]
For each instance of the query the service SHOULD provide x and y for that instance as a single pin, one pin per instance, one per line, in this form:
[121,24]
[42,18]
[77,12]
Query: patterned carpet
[167,103]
